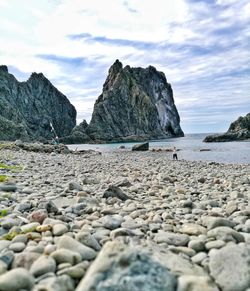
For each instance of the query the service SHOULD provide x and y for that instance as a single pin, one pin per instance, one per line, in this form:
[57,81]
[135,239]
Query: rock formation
[28,109]
[135,104]
[238,130]
[78,135]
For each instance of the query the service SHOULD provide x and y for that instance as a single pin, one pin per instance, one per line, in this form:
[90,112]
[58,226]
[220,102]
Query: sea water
[191,147]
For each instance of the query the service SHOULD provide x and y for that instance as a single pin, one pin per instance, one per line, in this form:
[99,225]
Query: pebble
[42,266]
[111,221]
[170,238]
[199,257]
[69,243]
[75,272]
[17,247]
[16,279]
[226,234]
[59,229]
[216,244]
[88,240]
[30,227]
[197,245]
[20,238]
[38,215]
[231,272]
[8,187]
[193,229]
[213,222]
[196,283]
[24,260]
[66,256]
[9,222]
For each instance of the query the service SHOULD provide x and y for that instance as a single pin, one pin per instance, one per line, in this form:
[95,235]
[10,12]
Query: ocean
[237,152]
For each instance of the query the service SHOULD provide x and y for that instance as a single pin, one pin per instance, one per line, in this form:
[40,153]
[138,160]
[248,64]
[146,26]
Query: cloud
[88,38]
[202,46]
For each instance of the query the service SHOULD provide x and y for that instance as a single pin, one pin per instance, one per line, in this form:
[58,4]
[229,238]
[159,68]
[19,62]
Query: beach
[123,220]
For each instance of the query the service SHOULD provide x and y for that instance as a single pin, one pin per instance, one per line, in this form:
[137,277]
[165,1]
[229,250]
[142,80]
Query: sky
[202,46]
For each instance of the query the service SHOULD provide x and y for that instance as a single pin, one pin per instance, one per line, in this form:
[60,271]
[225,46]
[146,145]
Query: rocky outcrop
[136,104]
[35,147]
[238,130]
[78,135]
[29,110]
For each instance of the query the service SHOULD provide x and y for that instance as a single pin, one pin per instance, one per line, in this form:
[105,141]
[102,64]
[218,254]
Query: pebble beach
[123,221]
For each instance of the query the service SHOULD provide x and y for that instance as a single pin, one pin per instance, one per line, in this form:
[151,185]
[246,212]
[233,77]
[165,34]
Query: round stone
[17,247]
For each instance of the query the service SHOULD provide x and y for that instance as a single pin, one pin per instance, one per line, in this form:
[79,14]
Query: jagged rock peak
[4,69]
[114,70]
[116,67]
[136,103]
[35,76]
[33,110]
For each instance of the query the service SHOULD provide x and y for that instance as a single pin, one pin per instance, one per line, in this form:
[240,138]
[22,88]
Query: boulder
[119,267]
[141,147]
[230,267]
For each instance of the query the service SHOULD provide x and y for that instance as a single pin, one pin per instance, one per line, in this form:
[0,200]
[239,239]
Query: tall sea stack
[136,104]
[28,109]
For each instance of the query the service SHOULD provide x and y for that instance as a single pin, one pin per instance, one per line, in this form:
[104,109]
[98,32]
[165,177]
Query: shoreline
[179,217]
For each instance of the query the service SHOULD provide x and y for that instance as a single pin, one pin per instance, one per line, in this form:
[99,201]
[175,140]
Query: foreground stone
[230,267]
[16,279]
[42,266]
[196,283]
[118,267]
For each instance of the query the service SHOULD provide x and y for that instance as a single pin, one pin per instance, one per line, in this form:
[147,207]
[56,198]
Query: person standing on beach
[175,154]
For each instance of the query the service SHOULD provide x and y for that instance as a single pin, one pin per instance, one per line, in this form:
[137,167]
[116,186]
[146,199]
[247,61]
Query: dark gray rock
[8,187]
[136,104]
[114,191]
[27,109]
[238,130]
[118,267]
[49,206]
[7,258]
[141,147]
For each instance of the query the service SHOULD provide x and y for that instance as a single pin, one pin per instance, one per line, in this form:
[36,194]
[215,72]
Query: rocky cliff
[28,109]
[238,130]
[136,104]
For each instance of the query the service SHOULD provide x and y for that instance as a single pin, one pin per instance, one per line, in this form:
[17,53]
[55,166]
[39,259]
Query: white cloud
[202,47]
